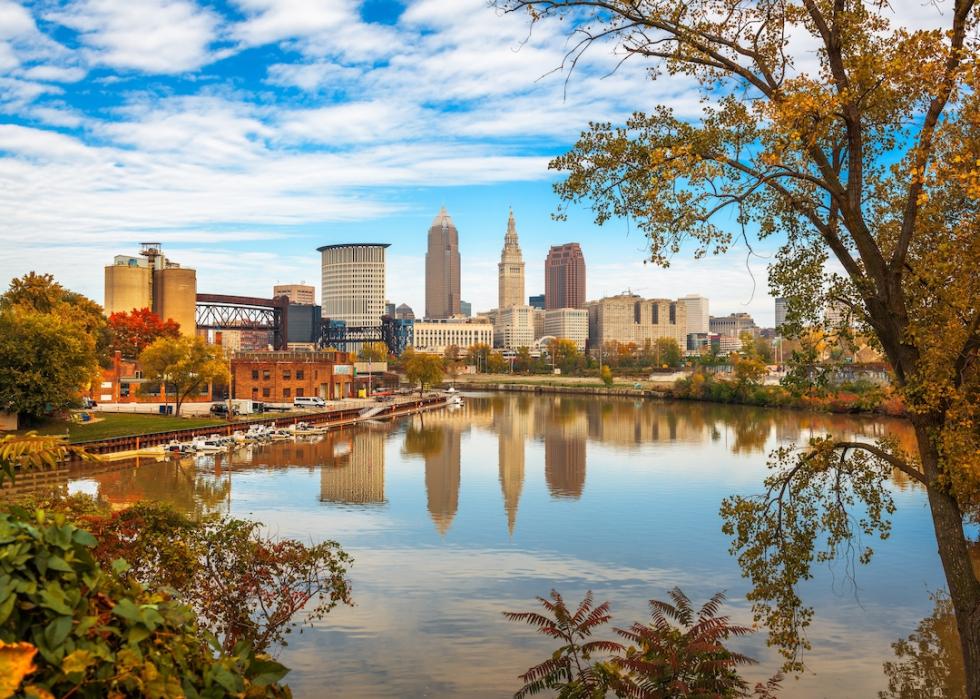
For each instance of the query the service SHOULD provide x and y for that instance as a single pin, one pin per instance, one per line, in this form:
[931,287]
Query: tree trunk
[964,588]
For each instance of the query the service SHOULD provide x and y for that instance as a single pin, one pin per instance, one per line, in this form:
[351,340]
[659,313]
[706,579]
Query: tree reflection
[928,664]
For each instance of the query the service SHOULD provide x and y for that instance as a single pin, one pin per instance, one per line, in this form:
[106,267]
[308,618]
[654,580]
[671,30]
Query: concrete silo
[175,296]
[127,287]
[152,281]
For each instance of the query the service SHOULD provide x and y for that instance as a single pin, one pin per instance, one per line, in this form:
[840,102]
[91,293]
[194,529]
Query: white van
[309,402]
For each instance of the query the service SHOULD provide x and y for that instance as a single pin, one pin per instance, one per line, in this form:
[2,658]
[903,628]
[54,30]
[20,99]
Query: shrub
[244,586]
[679,653]
[97,633]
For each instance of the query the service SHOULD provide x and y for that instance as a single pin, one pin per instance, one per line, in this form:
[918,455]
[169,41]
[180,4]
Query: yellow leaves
[16,662]
[77,662]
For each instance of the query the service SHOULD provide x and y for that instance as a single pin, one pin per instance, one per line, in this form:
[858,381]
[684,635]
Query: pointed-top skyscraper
[442,268]
[511,269]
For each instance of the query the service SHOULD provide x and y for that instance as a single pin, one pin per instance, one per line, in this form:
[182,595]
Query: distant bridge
[221,312]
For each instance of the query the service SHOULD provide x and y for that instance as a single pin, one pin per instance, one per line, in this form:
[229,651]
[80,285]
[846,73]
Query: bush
[98,633]
[679,653]
[244,586]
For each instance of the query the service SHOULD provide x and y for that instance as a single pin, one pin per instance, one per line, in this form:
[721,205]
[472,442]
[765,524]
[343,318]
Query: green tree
[46,362]
[40,293]
[870,160]
[185,363]
[668,352]
[422,369]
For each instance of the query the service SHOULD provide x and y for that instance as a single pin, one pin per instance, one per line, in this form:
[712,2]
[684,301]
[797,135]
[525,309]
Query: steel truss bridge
[221,312]
[396,336]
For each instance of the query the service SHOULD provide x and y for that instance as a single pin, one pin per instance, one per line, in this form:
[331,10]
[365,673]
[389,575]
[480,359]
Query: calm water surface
[458,515]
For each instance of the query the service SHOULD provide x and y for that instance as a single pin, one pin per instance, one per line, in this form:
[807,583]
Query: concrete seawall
[568,390]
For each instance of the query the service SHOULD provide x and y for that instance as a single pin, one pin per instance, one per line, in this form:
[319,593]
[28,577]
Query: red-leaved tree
[132,332]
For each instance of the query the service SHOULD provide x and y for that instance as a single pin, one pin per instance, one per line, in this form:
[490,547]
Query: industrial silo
[127,286]
[175,296]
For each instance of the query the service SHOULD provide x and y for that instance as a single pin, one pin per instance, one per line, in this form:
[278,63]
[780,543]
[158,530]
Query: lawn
[121,424]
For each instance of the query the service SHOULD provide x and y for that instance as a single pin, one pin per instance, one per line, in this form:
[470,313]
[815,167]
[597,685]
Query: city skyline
[190,150]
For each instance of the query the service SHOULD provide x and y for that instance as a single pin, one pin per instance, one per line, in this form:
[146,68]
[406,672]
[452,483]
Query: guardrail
[330,418]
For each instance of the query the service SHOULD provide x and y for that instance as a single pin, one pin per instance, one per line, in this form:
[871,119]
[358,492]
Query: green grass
[121,424]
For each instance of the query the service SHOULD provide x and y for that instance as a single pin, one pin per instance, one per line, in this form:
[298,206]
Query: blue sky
[243,134]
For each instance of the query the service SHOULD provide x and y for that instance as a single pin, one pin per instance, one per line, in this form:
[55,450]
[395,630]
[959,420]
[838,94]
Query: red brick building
[123,382]
[279,377]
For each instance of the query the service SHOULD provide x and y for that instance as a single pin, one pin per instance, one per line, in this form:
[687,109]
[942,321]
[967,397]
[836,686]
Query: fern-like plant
[679,653]
[568,670]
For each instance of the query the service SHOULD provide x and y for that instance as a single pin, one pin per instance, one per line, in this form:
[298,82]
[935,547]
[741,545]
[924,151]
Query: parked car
[88,403]
[221,410]
[309,402]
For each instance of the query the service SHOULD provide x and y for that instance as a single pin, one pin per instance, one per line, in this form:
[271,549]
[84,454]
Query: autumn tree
[41,294]
[422,369]
[667,351]
[565,355]
[496,363]
[132,332]
[477,354]
[185,363]
[865,154]
[373,352]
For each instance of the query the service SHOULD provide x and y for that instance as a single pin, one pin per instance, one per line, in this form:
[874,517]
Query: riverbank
[148,434]
[872,402]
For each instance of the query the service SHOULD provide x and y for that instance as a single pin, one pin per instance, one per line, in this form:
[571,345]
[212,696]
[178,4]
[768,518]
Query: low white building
[514,327]
[436,334]
[568,324]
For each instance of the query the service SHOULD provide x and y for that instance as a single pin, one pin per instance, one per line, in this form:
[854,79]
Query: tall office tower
[442,268]
[564,277]
[781,306]
[302,294]
[510,270]
[536,301]
[465,308]
[697,313]
[353,287]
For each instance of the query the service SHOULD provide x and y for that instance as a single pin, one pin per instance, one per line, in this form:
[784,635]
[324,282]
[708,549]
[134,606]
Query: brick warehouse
[279,377]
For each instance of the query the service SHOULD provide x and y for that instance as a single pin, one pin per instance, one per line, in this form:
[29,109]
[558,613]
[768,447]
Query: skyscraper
[353,286]
[442,268]
[564,277]
[697,313]
[510,270]
[780,311]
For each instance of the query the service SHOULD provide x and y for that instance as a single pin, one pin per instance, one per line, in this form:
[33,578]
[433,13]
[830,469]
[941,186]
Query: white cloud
[154,36]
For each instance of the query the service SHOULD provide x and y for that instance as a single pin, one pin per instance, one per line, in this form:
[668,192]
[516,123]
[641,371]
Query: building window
[266,392]
[286,375]
[286,393]
[300,392]
[656,314]
[299,374]
[266,374]
[255,374]
[673,314]
[255,390]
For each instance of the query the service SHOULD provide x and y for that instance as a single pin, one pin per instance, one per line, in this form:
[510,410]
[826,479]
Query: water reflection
[616,495]
[352,469]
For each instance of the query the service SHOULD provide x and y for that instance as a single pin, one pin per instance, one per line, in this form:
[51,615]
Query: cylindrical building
[353,283]
[175,296]
[127,287]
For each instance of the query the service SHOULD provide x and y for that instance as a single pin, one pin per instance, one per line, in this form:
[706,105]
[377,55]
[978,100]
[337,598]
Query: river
[455,516]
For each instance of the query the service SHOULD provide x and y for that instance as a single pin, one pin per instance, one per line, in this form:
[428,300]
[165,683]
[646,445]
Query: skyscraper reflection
[564,450]
[442,479]
[514,423]
[352,470]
